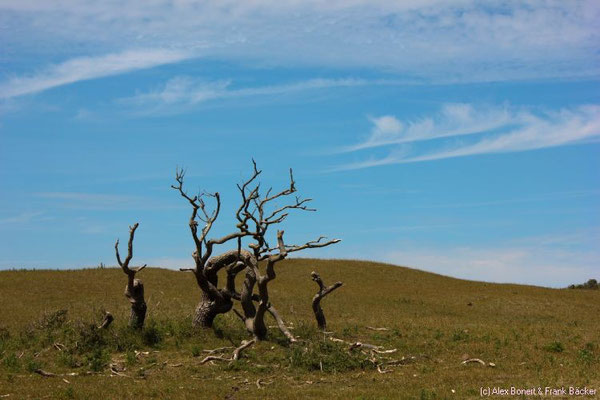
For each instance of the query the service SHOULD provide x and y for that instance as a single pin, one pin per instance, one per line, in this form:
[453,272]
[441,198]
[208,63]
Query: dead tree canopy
[316,301]
[214,300]
[254,218]
[134,291]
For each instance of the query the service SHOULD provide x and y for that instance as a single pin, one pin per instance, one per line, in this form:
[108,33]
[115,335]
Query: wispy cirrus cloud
[434,40]
[21,218]
[187,91]
[499,130]
[453,120]
[85,68]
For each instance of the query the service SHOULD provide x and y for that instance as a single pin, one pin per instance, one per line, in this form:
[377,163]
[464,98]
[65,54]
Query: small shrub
[130,358]
[326,356]
[68,359]
[125,339]
[98,359]
[196,351]
[51,320]
[152,335]
[89,337]
[459,336]
[31,364]
[305,331]
[350,331]
[586,355]
[555,347]
[11,362]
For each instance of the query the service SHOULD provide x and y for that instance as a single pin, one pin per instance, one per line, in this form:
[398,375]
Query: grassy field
[533,336]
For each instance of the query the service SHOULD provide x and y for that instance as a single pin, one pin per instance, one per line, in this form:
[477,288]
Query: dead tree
[316,301]
[134,290]
[254,222]
[214,300]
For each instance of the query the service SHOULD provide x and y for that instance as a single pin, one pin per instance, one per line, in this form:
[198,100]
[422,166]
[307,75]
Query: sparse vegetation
[532,335]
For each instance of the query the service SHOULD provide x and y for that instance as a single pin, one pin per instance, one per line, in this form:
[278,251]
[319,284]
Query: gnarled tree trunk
[316,301]
[134,291]
[216,301]
[207,310]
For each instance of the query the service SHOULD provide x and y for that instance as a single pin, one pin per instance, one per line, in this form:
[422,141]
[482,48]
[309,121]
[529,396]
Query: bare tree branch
[316,301]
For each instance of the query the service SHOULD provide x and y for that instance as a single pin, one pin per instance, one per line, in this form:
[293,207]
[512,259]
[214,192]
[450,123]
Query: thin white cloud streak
[532,131]
[184,90]
[85,68]
[458,40]
[455,119]
[22,218]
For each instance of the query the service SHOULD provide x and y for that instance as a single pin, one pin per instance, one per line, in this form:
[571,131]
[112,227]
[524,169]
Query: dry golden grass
[535,336]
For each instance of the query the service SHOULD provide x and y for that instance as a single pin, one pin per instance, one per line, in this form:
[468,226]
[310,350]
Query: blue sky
[449,136]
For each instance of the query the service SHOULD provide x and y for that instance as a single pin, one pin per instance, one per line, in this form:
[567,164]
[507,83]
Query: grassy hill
[534,337]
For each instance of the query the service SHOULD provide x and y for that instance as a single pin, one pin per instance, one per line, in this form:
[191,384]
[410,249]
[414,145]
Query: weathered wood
[134,291]
[108,319]
[316,301]
[253,222]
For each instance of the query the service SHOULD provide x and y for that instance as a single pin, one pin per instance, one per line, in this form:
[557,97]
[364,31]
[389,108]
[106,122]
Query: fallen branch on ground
[377,329]
[44,373]
[236,353]
[477,360]
[260,382]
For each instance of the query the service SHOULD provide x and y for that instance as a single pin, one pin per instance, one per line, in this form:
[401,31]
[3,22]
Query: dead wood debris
[260,382]
[44,373]
[115,371]
[108,319]
[236,353]
[377,355]
[377,329]
[479,361]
